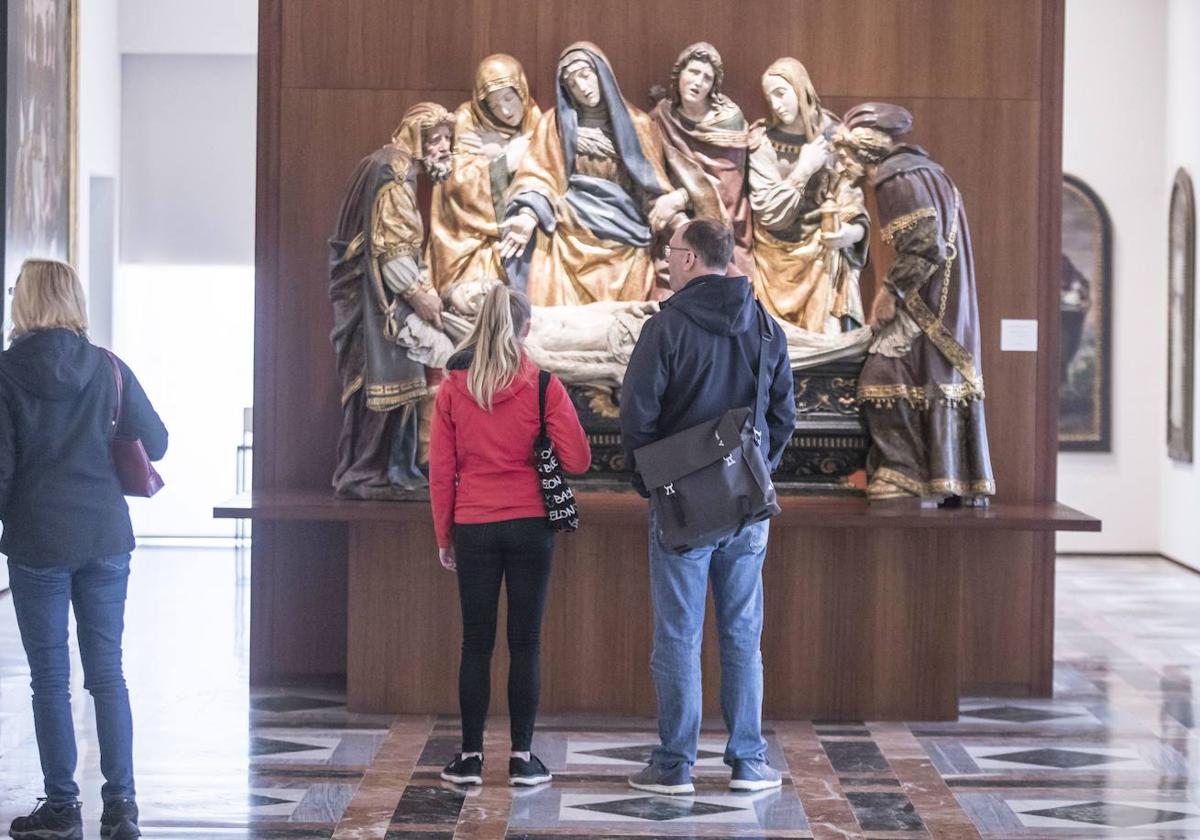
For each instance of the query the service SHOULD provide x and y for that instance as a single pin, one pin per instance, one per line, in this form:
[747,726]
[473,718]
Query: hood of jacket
[52,364]
[527,374]
[719,304]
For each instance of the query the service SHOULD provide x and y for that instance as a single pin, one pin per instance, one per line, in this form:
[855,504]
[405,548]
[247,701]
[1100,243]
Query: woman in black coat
[67,536]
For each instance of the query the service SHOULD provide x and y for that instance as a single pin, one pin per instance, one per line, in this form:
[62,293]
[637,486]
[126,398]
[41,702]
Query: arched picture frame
[1181,316]
[1085,315]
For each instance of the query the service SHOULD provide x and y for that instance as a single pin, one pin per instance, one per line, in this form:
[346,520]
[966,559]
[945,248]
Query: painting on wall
[1181,310]
[40,133]
[1085,315]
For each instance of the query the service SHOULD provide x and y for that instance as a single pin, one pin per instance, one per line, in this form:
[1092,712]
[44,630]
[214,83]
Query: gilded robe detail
[798,279]
[466,209]
[589,180]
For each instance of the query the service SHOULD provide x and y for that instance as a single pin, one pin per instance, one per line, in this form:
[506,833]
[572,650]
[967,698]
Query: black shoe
[464,771]
[529,773]
[120,820]
[49,822]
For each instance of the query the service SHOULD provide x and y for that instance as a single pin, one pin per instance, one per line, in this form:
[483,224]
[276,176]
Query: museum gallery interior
[966,231]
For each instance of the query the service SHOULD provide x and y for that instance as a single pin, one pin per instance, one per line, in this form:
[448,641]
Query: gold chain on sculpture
[951,256]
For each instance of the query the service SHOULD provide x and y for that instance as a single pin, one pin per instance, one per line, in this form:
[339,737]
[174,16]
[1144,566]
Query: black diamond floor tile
[656,808]
[1055,757]
[1114,815]
[1016,714]
[639,754]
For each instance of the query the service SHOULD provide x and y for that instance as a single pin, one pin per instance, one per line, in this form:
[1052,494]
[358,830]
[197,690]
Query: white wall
[1180,493]
[182,27]
[189,159]
[1114,115]
[184,302]
[99,127]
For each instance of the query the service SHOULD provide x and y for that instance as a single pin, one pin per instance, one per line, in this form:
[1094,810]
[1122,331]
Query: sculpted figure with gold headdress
[491,134]
[387,329]
[707,142]
[581,205]
[810,222]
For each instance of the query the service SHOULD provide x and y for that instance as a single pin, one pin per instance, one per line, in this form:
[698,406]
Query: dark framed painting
[40,137]
[1181,317]
[1085,322]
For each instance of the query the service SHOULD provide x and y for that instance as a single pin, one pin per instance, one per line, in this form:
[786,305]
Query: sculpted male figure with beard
[921,387]
[387,317]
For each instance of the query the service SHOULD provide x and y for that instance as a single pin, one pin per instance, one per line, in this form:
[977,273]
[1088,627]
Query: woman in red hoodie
[491,521]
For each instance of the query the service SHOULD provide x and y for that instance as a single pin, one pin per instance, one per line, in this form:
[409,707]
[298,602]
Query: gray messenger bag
[712,480]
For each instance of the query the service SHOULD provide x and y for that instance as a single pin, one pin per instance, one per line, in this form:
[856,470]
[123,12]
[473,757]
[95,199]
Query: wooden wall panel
[400,44]
[858,48]
[298,600]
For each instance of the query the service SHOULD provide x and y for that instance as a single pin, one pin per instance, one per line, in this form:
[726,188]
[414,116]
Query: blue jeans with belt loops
[42,597]
[678,588]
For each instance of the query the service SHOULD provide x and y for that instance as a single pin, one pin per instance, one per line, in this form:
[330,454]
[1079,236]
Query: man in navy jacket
[695,360]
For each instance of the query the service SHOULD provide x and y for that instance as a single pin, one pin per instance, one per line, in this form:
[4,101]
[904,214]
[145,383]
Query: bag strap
[543,384]
[120,380]
[761,383]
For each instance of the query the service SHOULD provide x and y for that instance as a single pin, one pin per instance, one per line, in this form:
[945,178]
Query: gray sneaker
[664,778]
[750,774]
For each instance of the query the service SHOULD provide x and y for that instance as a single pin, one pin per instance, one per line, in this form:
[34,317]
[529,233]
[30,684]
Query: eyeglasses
[670,249]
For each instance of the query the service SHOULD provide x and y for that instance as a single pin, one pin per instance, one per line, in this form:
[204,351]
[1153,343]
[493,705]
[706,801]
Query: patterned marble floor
[1113,755]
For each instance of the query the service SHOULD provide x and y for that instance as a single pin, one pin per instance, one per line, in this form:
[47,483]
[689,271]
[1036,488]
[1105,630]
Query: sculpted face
[437,142]
[695,85]
[782,98]
[505,106]
[584,84]
[848,161]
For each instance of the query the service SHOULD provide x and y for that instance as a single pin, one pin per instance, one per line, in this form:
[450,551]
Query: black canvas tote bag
[558,497]
[711,480]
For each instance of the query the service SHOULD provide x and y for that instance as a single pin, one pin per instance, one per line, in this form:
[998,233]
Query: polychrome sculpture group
[575,205]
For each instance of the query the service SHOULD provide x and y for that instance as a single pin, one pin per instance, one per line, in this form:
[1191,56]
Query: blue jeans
[678,588]
[41,597]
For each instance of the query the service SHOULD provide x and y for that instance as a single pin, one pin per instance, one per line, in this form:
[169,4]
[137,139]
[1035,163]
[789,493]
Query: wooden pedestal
[870,613]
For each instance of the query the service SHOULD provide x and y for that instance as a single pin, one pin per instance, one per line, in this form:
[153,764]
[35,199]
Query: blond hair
[496,340]
[48,295]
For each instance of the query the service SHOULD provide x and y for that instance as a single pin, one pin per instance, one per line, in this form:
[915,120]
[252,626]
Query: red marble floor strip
[370,811]
[485,816]
[816,782]
[921,782]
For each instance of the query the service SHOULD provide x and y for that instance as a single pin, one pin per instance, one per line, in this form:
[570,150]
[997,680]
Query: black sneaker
[529,773]
[49,822]
[464,771]
[120,820]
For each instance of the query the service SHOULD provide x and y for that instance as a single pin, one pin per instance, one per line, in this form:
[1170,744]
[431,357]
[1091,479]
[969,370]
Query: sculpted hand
[884,307]
[846,236]
[446,558]
[515,234]
[428,307]
[813,157]
[491,150]
[665,207]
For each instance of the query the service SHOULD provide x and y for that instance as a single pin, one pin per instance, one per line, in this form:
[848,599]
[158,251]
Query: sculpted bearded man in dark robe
[387,316]
[921,388]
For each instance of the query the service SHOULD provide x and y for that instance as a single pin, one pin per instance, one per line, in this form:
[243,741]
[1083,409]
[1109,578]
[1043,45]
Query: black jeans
[517,551]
